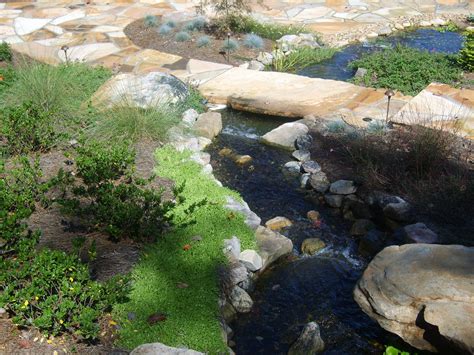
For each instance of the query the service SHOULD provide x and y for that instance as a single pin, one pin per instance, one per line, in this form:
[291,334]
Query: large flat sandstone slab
[280,94]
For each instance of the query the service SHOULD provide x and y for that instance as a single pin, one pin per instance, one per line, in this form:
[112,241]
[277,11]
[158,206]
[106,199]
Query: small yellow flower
[71,279]
[49,341]
[37,298]
[26,303]
[61,321]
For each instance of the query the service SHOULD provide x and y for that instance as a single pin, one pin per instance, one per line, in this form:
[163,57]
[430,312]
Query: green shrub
[390,350]
[5,52]
[301,58]
[203,41]
[20,189]
[273,31]
[253,41]
[195,25]
[52,291]
[230,45]
[406,69]
[114,202]
[135,123]
[449,27]
[182,36]
[466,55]
[27,128]
[151,21]
[170,23]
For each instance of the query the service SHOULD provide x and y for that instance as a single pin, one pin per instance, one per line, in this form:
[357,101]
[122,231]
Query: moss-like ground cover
[192,311]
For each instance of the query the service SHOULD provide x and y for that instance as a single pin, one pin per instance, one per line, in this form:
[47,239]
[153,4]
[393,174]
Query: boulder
[312,245]
[304,142]
[309,342]
[440,105]
[242,159]
[371,243]
[237,274]
[272,245]
[285,135]
[293,167]
[256,65]
[251,218]
[304,180]
[424,293]
[311,167]
[313,216]
[265,58]
[141,90]
[208,124]
[251,260]
[232,248]
[419,233]
[301,155]
[319,182]
[241,300]
[332,200]
[361,227]
[190,116]
[343,187]
[289,42]
[278,223]
[162,349]
[400,210]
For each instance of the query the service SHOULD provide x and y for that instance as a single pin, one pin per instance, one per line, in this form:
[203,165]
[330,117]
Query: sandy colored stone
[278,223]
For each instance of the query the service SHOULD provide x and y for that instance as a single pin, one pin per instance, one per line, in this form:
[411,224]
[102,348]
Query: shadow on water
[292,293]
[424,39]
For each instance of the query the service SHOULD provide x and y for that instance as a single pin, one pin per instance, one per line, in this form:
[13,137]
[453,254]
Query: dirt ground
[148,37]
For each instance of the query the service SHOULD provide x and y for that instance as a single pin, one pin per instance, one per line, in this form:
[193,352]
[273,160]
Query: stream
[301,289]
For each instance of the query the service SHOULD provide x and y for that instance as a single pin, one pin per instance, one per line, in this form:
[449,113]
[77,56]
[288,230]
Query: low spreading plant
[300,58]
[253,41]
[182,36]
[151,21]
[165,29]
[110,199]
[466,55]
[5,52]
[406,69]
[203,41]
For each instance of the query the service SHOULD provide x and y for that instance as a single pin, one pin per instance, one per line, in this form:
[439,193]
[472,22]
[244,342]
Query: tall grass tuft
[301,58]
[203,41]
[128,122]
[164,29]
[182,36]
[230,45]
[151,21]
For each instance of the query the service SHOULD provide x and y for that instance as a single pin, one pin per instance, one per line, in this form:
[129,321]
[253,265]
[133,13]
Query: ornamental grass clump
[164,29]
[182,36]
[253,41]
[203,41]
[151,21]
[195,25]
[230,45]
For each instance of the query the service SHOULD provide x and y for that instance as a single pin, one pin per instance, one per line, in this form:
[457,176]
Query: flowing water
[303,289]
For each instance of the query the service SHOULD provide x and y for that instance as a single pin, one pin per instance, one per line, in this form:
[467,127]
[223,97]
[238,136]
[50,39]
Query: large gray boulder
[309,342]
[141,90]
[251,218]
[162,349]
[424,293]
[285,135]
[241,300]
[272,245]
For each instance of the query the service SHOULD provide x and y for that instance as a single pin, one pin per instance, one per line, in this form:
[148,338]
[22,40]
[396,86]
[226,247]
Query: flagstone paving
[94,32]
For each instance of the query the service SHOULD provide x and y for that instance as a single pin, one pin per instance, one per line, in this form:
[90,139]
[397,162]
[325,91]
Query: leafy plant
[300,58]
[377,127]
[230,45]
[391,350]
[52,291]
[182,36]
[466,55]
[253,41]
[194,100]
[5,52]
[164,29]
[115,202]
[26,128]
[151,21]
[449,27]
[406,69]
[203,41]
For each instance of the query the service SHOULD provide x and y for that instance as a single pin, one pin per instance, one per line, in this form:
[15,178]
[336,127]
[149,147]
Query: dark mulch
[148,37]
